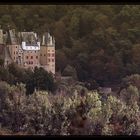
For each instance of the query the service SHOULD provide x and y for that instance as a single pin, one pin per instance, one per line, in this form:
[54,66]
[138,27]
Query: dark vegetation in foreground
[39,79]
[78,111]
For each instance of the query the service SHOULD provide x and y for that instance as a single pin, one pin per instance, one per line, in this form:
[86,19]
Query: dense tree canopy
[100,41]
[38,79]
[76,113]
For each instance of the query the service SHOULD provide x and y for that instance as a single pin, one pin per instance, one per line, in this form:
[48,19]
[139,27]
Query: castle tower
[47,53]
[1,36]
[14,47]
[51,54]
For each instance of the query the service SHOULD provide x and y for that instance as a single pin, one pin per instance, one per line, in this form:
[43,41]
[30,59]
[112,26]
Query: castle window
[40,54]
[52,60]
[31,57]
[31,62]
[48,54]
[35,51]
[52,54]
[36,57]
[44,55]
[49,60]
[14,52]
[26,57]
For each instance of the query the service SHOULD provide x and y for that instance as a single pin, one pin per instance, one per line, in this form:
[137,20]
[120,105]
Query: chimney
[50,40]
[35,35]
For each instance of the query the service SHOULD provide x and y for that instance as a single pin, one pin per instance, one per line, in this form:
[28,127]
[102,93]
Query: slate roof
[47,39]
[13,37]
[29,38]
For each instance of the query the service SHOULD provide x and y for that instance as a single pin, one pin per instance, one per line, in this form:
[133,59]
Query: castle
[28,49]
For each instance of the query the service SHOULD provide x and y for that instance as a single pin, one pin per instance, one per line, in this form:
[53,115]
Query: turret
[1,36]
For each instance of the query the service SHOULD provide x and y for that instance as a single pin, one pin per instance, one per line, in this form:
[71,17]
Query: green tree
[61,60]
[70,71]
[42,79]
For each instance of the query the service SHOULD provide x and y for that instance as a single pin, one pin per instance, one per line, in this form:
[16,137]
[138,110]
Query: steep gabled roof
[29,38]
[47,39]
[12,38]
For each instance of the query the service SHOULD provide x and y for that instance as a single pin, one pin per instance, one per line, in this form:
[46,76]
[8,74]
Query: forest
[98,46]
[100,42]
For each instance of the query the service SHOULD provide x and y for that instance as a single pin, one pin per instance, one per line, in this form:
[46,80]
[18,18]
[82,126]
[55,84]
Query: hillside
[100,41]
